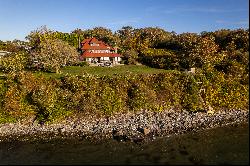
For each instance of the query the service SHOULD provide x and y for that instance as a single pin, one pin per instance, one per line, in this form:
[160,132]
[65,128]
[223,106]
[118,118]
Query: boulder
[61,130]
[144,131]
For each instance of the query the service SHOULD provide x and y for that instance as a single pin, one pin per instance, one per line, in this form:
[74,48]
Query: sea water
[222,145]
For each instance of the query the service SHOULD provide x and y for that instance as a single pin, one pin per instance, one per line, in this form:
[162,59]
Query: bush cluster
[22,94]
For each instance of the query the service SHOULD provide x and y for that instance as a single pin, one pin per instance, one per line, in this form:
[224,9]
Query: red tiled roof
[90,55]
[94,40]
[102,46]
[85,40]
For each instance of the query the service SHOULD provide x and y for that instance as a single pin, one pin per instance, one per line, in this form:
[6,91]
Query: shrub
[22,94]
[13,62]
[190,100]
[83,63]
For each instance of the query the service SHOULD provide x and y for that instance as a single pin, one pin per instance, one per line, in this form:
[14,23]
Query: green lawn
[101,71]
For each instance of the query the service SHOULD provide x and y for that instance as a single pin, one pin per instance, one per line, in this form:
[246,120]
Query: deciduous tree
[54,53]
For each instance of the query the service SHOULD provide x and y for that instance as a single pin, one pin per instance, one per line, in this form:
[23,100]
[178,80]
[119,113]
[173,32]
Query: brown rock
[146,131]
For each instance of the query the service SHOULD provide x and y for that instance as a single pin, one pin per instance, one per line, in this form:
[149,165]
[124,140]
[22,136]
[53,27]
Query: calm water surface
[225,145]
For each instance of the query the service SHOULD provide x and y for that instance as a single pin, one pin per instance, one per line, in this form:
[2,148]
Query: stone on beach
[126,126]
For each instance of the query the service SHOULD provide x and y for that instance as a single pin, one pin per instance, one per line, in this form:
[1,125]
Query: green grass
[101,71]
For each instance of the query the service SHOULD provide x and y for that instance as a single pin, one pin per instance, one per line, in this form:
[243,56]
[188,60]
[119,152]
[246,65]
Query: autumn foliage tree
[142,38]
[101,33]
[36,36]
[197,51]
[131,57]
[52,54]
[13,62]
[222,49]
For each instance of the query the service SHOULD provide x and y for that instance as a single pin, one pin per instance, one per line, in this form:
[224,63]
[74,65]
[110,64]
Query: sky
[19,17]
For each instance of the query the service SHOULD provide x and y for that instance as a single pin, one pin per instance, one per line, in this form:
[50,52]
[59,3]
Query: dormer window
[94,44]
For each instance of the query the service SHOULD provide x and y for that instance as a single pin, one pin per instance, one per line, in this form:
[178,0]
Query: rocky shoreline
[132,126]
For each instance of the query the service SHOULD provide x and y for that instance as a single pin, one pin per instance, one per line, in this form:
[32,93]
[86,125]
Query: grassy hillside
[104,71]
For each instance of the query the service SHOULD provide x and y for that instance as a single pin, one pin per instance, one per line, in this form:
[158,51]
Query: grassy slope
[101,71]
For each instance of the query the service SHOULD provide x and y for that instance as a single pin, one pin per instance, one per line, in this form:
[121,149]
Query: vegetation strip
[45,78]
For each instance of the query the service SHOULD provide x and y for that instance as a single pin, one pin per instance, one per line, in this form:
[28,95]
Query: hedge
[23,94]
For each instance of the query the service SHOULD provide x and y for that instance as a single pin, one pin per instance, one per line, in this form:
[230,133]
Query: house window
[94,44]
[106,58]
